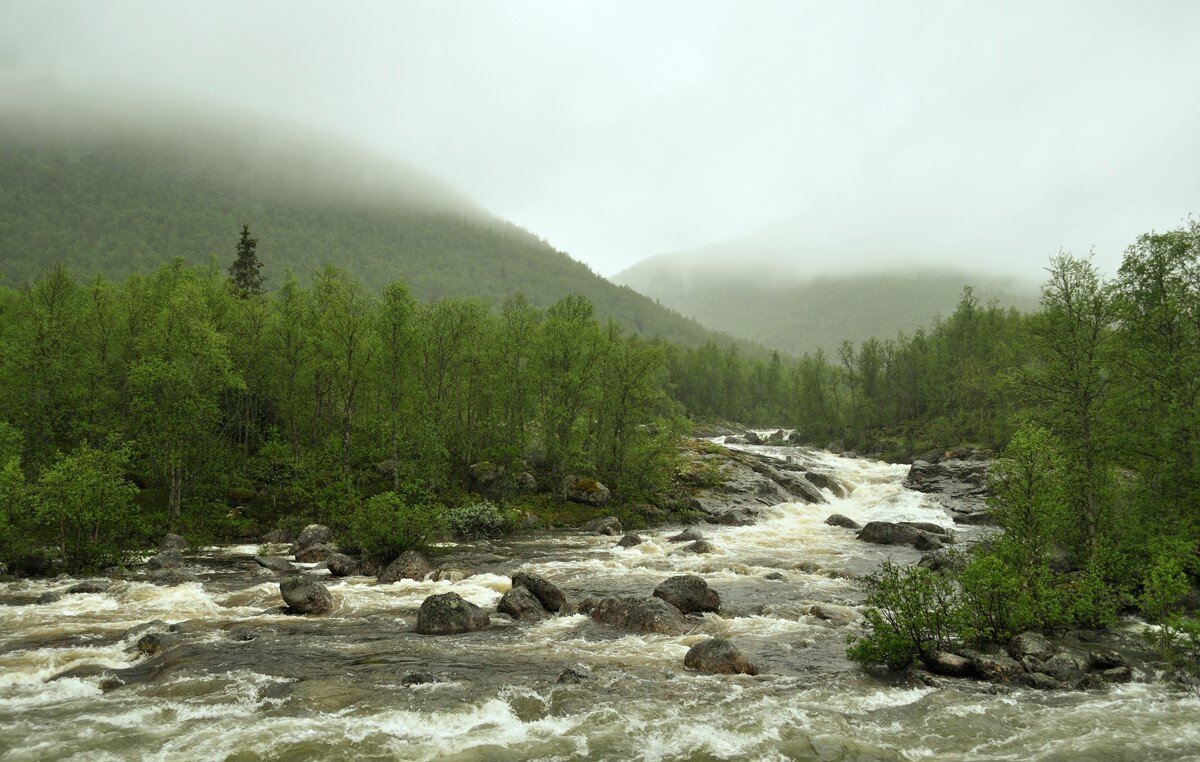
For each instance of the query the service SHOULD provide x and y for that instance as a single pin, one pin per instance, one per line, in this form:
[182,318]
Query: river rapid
[332,686]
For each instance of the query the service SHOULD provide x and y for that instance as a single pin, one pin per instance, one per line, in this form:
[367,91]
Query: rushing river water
[331,687]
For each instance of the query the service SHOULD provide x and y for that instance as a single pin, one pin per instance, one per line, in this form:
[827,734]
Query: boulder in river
[689,593]
[700,546]
[948,664]
[418,678]
[279,536]
[519,603]
[1064,667]
[630,540]
[449,614]
[314,534]
[90,586]
[312,554]
[752,438]
[637,614]
[586,491]
[341,565]
[171,577]
[573,676]
[156,642]
[605,525]
[1105,659]
[49,597]
[832,612]
[1032,644]
[547,593]
[408,565]
[167,559]
[889,533]
[172,542]
[305,595]
[243,634]
[838,520]
[275,563]
[718,656]
[691,534]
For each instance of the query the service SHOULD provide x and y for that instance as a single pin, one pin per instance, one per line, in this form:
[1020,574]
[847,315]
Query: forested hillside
[104,197]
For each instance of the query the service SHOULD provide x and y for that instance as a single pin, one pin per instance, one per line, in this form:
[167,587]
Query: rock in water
[314,553]
[155,642]
[586,491]
[689,593]
[573,676]
[638,615]
[1102,660]
[629,541]
[948,664]
[888,533]
[1032,644]
[700,546]
[419,678]
[838,520]
[91,586]
[305,595]
[608,525]
[341,565]
[519,603]
[275,563]
[168,559]
[172,542]
[448,613]
[691,534]
[409,565]
[314,534]
[551,598]
[718,656]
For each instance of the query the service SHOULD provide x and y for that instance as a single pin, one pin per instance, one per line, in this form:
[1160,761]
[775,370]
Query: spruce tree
[245,272]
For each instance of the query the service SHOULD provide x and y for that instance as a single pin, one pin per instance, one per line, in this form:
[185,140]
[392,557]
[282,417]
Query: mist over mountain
[800,294]
[113,187]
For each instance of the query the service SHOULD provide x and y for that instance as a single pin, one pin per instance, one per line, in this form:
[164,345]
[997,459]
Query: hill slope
[765,288]
[102,196]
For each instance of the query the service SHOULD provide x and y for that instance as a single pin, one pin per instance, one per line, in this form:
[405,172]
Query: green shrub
[912,611]
[478,521]
[387,525]
[996,604]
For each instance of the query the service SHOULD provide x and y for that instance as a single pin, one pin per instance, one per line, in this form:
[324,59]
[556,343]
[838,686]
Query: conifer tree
[246,271]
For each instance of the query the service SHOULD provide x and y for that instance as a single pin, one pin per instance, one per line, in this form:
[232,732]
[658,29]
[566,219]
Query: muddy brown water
[332,686]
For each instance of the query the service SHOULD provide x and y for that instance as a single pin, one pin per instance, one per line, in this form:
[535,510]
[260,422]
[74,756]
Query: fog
[942,132]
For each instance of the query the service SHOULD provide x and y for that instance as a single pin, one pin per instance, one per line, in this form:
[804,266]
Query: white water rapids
[329,687]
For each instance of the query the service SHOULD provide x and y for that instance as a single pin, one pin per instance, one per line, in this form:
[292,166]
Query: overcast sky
[617,130]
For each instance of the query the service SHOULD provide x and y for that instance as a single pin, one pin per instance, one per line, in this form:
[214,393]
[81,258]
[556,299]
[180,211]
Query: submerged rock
[449,614]
[409,565]
[637,614]
[718,656]
[275,563]
[630,540]
[573,676]
[551,598]
[689,593]
[838,520]
[49,597]
[243,634]
[519,603]
[305,595]
[156,642]
[586,491]
[90,586]
[607,525]
[419,678]
[700,546]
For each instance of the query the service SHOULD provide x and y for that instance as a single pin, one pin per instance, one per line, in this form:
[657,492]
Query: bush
[912,611]
[387,525]
[478,521]
[996,605]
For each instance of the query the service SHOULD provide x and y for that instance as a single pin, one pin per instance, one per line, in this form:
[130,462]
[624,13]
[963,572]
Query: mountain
[798,297]
[113,190]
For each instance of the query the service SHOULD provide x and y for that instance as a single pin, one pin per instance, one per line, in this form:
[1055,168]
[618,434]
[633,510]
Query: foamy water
[330,687]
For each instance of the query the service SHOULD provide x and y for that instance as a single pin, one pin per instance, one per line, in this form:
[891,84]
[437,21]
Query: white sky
[983,134]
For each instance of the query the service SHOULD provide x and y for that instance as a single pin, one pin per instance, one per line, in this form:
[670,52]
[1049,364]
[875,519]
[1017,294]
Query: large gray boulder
[312,554]
[606,525]
[838,520]
[275,563]
[586,491]
[408,565]
[519,603]
[547,593]
[948,664]
[1032,644]
[700,546]
[718,656]
[341,565]
[691,534]
[449,614]
[637,614]
[889,533]
[305,595]
[167,559]
[689,593]
[314,534]
[630,540]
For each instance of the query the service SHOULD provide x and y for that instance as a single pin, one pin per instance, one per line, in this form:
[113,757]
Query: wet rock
[275,563]
[691,534]
[314,534]
[997,667]
[449,574]
[519,603]
[1102,660]
[718,656]
[279,536]
[838,520]
[448,614]
[1064,667]
[1032,644]
[700,546]
[341,565]
[948,664]
[172,577]
[736,440]
[1041,681]
[172,542]
[961,482]
[418,678]
[168,559]
[607,525]
[774,576]
[312,554]
[736,518]
[49,597]
[156,642]
[689,593]
[889,533]
[831,612]
[829,482]
[1116,674]
[90,586]
[409,565]
[638,614]
[586,491]
[305,595]
[630,540]
[777,438]
[573,676]
[928,526]
[547,593]
[928,541]
[243,634]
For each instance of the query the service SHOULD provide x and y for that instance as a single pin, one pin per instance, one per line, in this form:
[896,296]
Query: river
[332,687]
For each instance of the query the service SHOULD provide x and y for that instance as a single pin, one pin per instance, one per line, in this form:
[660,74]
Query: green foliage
[86,504]
[911,612]
[478,521]
[387,525]
[998,601]
[245,274]
[1028,496]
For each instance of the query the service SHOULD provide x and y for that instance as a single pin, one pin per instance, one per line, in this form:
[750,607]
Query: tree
[245,274]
